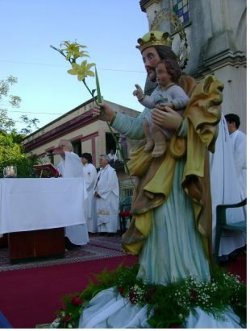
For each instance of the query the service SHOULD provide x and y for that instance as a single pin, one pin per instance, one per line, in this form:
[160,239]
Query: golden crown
[154,38]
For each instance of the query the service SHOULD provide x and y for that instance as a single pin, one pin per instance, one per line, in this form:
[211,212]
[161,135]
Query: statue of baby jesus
[167,93]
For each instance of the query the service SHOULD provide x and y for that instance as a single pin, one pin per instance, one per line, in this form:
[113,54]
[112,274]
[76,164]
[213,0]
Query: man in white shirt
[112,156]
[239,142]
[71,166]
[90,176]
[106,193]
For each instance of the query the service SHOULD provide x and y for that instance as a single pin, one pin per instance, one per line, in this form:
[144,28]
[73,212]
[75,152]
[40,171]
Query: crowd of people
[101,206]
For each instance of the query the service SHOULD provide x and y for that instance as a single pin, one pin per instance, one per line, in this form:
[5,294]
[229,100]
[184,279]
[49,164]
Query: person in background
[167,93]
[239,142]
[112,158]
[106,194]
[89,175]
[112,155]
[71,166]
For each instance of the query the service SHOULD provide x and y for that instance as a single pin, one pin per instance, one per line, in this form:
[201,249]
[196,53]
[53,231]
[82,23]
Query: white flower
[55,324]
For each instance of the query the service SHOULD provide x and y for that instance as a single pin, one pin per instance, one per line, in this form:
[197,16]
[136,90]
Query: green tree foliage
[7,124]
[11,149]
[12,153]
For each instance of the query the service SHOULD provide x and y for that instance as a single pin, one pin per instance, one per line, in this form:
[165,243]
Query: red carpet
[32,296]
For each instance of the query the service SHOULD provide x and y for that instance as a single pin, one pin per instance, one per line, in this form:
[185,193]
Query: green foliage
[69,314]
[168,306]
[30,124]
[7,124]
[11,150]
[11,153]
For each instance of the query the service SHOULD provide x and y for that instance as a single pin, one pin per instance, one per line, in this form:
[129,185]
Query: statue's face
[162,76]
[150,58]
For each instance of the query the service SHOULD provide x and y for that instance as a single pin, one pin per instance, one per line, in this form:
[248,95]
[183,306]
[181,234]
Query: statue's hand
[166,117]
[138,92]
[103,112]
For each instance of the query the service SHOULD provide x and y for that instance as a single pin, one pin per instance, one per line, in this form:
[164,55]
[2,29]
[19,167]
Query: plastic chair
[125,215]
[221,223]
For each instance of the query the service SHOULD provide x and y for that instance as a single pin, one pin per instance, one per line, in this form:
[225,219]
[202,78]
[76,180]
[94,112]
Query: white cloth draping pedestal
[41,203]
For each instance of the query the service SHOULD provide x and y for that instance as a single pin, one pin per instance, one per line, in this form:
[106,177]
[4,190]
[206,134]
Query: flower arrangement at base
[168,306]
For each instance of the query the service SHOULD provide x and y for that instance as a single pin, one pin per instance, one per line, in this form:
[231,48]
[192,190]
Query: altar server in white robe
[106,195]
[90,176]
[239,143]
[71,166]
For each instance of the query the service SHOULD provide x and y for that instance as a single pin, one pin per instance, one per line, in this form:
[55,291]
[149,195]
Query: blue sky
[109,29]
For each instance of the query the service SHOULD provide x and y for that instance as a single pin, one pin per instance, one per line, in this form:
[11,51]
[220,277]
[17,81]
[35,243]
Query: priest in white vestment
[106,193]
[225,189]
[90,176]
[71,166]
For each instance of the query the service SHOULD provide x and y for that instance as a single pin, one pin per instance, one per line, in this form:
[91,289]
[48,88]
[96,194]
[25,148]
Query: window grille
[181,9]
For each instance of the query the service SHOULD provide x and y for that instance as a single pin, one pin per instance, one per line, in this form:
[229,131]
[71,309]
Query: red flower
[121,290]
[125,213]
[66,318]
[133,297]
[76,301]
[193,295]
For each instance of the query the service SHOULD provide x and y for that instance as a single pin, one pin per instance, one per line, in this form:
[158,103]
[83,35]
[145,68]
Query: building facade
[87,134]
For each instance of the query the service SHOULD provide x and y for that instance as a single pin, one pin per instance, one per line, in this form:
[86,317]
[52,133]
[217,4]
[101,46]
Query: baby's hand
[138,92]
[168,104]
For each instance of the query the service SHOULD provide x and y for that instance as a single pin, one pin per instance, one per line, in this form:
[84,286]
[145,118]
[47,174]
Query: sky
[108,28]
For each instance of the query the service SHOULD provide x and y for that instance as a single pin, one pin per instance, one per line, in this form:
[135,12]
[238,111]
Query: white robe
[71,166]
[225,189]
[90,176]
[112,157]
[107,206]
[239,142]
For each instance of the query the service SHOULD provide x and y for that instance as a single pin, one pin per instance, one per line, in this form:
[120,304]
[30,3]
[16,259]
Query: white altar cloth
[41,203]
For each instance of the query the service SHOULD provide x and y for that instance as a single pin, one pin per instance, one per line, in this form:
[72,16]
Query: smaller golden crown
[154,38]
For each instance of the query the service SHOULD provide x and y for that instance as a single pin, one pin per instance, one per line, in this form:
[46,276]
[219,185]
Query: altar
[34,212]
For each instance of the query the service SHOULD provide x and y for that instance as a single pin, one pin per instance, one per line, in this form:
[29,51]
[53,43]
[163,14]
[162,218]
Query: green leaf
[98,90]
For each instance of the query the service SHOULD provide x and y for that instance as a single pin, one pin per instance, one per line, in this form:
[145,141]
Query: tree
[11,153]
[11,149]
[29,124]
[6,123]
